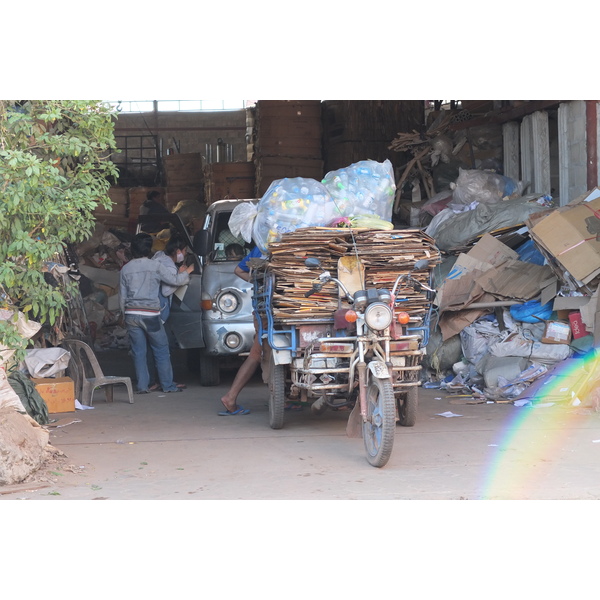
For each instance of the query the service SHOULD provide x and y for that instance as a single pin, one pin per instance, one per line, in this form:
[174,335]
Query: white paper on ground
[79,406]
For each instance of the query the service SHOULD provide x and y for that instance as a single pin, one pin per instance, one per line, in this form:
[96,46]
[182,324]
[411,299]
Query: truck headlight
[378,316]
[232,340]
[228,302]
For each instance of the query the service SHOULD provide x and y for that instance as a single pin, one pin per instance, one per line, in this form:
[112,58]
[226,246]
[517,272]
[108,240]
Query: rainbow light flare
[523,436]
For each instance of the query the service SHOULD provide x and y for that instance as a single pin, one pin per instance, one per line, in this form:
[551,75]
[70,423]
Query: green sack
[33,403]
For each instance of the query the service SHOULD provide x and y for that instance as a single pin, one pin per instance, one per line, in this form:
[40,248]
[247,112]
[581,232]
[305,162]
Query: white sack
[46,362]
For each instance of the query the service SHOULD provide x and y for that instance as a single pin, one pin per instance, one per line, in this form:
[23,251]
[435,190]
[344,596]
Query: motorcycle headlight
[378,316]
[228,302]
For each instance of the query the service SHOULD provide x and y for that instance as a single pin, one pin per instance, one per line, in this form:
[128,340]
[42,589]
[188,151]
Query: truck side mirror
[201,242]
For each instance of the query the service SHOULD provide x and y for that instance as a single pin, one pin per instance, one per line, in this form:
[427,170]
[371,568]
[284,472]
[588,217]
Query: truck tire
[209,371]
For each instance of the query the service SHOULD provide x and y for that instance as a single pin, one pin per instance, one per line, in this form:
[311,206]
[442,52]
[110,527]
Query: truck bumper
[228,339]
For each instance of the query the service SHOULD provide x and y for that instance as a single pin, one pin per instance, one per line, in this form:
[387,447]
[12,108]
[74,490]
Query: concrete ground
[176,447]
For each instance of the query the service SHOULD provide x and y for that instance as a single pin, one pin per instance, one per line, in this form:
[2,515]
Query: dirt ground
[175,446]
[267,520]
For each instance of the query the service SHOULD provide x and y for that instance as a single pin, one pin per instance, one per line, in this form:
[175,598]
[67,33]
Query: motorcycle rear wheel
[380,428]
[408,403]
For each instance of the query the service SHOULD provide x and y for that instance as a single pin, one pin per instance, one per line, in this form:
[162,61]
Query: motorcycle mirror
[312,262]
[421,264]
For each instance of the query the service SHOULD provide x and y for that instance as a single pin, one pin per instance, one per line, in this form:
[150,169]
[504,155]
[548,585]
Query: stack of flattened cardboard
[287,141]
[384,254]
[184,177]
[228,180]
[489,275]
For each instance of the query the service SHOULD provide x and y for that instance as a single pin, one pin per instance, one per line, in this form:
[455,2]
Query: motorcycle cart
[344,319]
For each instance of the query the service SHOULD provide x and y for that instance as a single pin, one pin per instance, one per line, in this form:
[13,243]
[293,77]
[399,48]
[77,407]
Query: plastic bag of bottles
[364,188]
[289,204]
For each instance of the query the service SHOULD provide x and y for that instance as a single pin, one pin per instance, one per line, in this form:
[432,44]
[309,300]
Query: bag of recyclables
[363,188]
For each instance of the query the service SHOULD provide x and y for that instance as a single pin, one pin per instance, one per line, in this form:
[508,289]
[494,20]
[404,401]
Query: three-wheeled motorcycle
[334,337]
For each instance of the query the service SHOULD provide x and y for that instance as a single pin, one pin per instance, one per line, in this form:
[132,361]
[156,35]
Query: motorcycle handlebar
[326,278]
[406,279]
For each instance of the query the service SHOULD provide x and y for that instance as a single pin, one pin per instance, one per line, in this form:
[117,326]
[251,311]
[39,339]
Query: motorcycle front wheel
[380,427]
[276,395]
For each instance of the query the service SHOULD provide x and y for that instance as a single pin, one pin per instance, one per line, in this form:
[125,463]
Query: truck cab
[212,316]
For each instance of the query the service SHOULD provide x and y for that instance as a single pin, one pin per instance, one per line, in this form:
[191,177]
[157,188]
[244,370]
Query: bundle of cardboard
[384,254]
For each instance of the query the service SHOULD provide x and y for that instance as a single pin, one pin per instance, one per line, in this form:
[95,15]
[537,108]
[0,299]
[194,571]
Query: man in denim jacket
[139,284]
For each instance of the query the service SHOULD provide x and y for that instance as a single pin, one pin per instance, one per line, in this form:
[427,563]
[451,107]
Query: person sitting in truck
[234,252]
[226,238]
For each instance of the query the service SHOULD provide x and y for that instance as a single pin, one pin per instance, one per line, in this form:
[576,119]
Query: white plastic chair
[88,375]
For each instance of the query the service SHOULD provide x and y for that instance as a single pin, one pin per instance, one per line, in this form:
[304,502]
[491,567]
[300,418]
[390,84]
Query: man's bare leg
[242,377]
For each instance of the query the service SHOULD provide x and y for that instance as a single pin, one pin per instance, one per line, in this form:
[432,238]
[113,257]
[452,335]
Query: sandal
[156,387]
[240,410]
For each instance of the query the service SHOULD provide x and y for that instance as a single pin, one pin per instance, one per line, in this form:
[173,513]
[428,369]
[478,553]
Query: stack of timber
[385,255]
[118,215]
[287,138]
[228,180]
[184,177]
[355,130]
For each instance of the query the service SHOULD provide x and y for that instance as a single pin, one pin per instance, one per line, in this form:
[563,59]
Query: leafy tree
[55,169]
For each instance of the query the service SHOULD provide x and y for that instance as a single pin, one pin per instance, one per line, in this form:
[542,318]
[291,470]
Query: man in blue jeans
[139,284]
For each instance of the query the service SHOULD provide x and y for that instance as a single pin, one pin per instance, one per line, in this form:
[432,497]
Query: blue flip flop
[240,410]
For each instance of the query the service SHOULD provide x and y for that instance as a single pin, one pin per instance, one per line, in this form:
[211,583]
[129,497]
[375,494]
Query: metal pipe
[491,304]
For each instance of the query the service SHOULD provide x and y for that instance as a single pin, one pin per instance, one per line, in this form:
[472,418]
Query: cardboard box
[58,393]
[577,327]
[489,250]
[572,236]
[569,303]
[556,332]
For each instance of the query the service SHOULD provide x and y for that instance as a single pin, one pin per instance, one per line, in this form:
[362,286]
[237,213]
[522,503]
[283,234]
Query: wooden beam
[591,118]
[504,115]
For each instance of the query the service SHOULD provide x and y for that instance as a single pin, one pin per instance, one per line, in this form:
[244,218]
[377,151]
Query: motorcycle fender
[379,369]
[281,357]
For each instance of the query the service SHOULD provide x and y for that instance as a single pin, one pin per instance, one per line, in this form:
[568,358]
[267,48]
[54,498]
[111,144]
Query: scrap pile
[385,255]
[523,315]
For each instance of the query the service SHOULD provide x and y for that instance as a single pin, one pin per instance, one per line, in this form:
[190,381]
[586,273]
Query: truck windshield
[226,246]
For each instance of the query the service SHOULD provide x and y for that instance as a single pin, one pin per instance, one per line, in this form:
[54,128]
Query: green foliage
[54,171]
